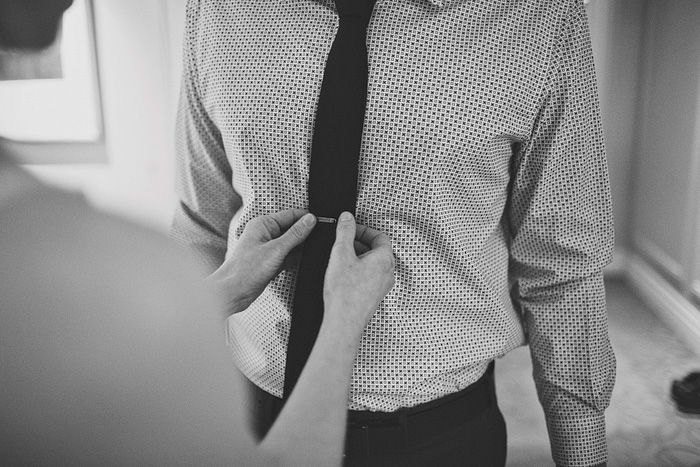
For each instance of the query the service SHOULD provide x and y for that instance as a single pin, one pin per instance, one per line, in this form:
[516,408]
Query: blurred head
[30,24]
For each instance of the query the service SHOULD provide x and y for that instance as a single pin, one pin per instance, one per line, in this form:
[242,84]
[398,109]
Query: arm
[310,430]
[207,199]
[267,245]
[560,220]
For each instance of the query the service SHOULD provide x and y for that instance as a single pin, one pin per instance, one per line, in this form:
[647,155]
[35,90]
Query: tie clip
[327,220]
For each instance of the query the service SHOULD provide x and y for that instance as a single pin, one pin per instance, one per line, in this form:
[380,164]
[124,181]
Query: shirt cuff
[578,442]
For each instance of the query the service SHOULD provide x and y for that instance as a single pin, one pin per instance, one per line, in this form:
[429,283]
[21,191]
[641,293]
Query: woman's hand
[360,273]
[267,245]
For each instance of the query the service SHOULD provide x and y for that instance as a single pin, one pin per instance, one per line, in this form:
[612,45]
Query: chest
[450,87]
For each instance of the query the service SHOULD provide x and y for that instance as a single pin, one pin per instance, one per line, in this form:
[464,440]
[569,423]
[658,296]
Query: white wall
[616,32]
[666,207]
[139,54]
[664,202]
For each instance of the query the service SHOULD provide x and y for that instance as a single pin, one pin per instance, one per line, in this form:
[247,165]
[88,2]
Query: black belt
[380,432]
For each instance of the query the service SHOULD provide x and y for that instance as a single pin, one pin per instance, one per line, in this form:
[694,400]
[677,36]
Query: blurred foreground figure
[112,344]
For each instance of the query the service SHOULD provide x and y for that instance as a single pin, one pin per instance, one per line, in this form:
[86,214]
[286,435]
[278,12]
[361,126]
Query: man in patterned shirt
[482,158]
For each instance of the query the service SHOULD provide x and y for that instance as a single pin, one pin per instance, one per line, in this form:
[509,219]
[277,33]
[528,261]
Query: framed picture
[51,98]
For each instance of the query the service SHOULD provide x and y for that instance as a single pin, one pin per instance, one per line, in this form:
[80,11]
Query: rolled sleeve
[560,216]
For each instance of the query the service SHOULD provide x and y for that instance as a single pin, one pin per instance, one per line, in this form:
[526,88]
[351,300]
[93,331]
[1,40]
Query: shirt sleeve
[207,199]
[560,216]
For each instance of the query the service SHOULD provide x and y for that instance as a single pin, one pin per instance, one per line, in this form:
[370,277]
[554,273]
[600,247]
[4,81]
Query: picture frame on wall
[51,108]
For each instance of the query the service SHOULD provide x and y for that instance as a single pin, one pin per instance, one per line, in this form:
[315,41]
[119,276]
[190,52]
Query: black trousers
[462,429]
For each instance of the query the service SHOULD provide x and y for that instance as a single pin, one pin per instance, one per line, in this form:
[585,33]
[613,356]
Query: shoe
[686,393]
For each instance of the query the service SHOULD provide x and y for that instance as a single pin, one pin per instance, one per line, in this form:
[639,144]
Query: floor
[644,428]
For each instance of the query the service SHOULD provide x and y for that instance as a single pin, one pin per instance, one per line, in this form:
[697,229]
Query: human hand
[268,245]
[355,284]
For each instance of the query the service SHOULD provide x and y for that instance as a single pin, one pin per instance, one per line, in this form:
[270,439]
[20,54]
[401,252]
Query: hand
[355,285]
[267,245]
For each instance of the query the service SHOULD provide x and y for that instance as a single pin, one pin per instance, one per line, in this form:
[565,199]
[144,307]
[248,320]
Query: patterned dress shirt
[483,160]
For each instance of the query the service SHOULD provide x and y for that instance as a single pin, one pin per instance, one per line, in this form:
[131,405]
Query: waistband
[378,432]
[375,432]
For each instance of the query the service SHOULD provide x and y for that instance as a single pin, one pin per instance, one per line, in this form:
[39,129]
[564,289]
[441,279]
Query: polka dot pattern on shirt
[482,159]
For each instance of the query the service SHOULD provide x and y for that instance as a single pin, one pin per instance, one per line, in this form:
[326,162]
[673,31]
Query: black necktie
[335,149]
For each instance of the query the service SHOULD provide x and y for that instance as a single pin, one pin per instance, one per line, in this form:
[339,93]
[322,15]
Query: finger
[381,242]
[368,236]
[345,231]
[285,219]
[297,233]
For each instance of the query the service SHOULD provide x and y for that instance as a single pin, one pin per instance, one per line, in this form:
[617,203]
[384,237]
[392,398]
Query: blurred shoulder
[59,229]
[102,317]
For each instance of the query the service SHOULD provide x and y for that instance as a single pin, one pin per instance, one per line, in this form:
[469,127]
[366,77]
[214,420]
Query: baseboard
[671,306]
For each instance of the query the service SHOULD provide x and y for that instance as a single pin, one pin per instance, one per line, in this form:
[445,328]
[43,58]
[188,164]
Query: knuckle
[265,221]
[390,261]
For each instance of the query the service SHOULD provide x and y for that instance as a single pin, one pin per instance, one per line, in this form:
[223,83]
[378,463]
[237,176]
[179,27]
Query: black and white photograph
[350,233]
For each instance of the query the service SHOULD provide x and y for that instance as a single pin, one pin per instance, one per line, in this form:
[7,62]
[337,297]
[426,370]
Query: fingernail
[345,216]
[308,220]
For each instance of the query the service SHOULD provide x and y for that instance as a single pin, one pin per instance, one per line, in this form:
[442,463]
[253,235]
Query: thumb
[345,231]
[297,233]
